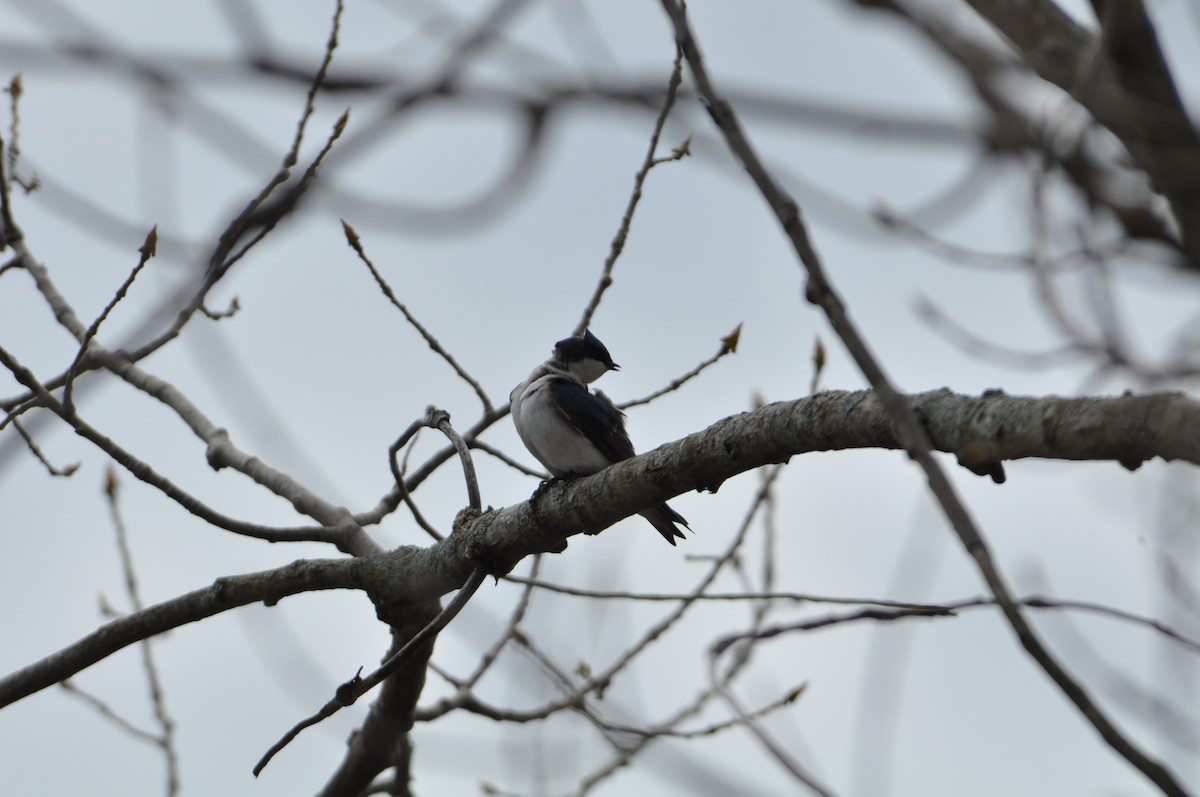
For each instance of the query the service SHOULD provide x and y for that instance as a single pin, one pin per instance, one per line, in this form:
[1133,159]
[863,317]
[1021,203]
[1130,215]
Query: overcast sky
[317,374]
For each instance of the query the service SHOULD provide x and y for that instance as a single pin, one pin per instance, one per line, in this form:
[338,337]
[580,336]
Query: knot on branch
[983,452]
[435,417]
[347,693]
[983,458]
[215,454]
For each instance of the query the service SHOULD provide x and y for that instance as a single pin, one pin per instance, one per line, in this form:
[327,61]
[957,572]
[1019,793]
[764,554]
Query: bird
[574,431]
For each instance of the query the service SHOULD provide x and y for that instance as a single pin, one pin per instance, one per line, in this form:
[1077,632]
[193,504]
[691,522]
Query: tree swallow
[570,429]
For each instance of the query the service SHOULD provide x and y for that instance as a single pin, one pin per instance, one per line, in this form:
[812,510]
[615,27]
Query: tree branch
[268,586]
[1127,429]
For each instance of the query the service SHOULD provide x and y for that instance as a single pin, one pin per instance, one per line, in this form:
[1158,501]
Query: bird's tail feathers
[664,518]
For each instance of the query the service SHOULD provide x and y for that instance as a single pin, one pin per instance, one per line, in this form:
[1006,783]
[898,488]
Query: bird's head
[584,356]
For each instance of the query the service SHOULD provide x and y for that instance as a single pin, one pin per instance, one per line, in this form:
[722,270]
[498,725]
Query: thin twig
[748,721]
[440,420]
[388,502]
[148,249]
[506,459]
[410,502]
[818,360]
[882,615]
[106,711]
[219,315]
[770,535]
[243,220]
[727,556]
[339,535]
[9,232]
[574,697]
[970,343]
[356,244]
[510,631]
[729,345]
[398,476]
[14,90]
[166,735]
[256,213]
[618,242]
[797,597]
[785,700]
[356,687]
[69,470]
[601,681]
[265,218]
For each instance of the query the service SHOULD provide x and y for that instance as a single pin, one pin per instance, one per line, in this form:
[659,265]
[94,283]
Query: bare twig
[961,255]
[418,516]
[356,687]
[440,420]
[398,476]
[750,723]
[106,711]
[882,615]
[342,532]
[257,214]
[793,597]
[510,631]
[729,345]
[14,90]
[575,697]
[262,219]
[463,686]
[785,700]
[69,470]
[388,502]
[244,219]
[971,343]
[507,460]
[651,160]
[1039,602]
[818,361]
[166,735]
[218,315]
[9,232]
[148,249]
[726,558]
[356,244]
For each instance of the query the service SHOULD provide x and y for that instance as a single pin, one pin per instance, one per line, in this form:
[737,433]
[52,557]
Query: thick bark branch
[224,594]
[993,427]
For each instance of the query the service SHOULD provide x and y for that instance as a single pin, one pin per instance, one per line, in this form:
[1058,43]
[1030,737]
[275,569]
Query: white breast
[548,436]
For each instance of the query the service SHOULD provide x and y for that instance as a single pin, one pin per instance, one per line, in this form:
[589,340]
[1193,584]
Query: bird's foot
[554,481]
[543,486]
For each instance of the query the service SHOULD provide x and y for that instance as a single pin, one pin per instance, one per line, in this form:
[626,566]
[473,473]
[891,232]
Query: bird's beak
[614,367]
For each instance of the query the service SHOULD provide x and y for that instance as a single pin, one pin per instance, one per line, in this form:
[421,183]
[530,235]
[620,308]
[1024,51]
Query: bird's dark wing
[594,417]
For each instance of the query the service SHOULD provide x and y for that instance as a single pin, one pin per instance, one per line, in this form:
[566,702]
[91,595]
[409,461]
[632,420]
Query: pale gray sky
[317,374]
